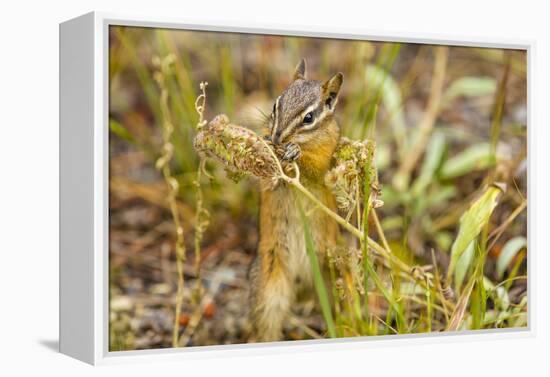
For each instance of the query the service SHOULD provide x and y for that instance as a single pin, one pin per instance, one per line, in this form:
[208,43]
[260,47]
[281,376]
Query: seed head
[240,150]
[352,164]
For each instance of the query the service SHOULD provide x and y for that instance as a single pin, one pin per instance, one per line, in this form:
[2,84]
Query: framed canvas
[244,189]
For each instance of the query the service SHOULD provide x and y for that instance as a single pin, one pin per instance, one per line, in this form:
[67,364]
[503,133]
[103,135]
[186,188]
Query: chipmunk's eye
[308,119]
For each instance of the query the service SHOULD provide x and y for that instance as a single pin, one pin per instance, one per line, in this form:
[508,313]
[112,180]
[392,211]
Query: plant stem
[163,164]
[350,228]
[201,214]
[380,231]
[295,182]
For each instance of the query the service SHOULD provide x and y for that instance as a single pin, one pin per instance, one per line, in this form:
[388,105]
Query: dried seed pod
[238,148]
[352,164]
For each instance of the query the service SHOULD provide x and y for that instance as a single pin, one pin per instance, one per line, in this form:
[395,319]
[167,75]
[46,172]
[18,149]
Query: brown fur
[282,260]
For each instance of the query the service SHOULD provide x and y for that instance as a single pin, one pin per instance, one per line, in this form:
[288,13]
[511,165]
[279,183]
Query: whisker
[264,116]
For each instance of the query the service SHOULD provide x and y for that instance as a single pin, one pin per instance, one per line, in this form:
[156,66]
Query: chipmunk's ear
[300,71]
[331,88]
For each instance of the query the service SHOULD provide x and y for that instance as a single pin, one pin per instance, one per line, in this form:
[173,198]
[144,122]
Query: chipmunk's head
[305,109]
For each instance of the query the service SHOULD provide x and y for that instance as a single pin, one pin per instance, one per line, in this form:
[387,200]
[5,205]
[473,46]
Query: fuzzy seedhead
[239,149]
[352,165]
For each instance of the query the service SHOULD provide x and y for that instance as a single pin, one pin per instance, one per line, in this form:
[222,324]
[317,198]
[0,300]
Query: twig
[380,230]
[402,177]
[297,322]
[495,234]
[385,324]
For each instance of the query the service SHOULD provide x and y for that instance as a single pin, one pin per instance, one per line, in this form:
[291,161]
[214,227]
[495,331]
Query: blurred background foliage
[478,137]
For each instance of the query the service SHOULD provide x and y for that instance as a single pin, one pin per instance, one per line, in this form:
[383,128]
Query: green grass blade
[365,222]
[121,131]
[318,280]
[227,80]
[478,303]
[389,93]
[143,73]
[380,285]
[370,177]
[432,160]
[463,264]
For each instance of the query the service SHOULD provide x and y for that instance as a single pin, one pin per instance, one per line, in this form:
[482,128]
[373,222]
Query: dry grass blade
[458,314]
[497,232]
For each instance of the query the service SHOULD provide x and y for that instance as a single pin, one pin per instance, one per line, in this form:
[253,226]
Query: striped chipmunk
[303,127]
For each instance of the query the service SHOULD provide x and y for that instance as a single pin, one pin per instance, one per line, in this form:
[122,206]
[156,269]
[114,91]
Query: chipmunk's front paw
[292,152]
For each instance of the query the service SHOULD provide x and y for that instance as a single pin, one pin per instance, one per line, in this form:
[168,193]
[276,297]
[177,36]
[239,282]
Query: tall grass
[386,283]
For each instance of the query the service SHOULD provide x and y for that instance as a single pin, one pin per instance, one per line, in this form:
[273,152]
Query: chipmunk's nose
[276,137]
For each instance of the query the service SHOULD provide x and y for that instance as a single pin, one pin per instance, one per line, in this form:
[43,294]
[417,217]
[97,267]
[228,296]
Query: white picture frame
[84,190]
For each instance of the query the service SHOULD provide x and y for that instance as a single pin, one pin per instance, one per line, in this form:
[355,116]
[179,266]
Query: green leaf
[318,280]
[476,157]
[469,86]
[441,195]
[472,222]
[463,264]
[436,197]
[432,159]
[509,251]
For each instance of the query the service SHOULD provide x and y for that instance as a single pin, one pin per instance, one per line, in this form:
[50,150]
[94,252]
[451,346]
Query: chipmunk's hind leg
[271,295]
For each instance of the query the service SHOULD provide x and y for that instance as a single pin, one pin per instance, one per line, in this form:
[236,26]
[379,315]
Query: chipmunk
[302,124]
